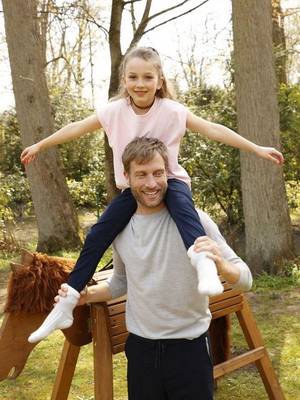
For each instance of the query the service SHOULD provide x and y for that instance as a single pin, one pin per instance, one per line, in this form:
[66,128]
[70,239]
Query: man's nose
[150,181]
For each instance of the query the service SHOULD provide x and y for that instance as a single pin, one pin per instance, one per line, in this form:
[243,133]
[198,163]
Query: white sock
[208,281]
[61,317]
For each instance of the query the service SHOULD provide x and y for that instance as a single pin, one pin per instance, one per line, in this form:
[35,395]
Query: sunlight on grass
[290,362]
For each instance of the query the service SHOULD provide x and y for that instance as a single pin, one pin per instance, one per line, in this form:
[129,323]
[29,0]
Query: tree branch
[130,2]
[177,16]
[93,21]
[133,19]
[167,10]
[142,25]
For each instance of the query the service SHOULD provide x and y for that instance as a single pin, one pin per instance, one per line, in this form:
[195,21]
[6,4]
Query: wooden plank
[225,295]
[103,372]
[220,305]
[117,319]
[226,286]
[227,310]
[117,300]
[117,308]
[119,339]
[238,362]
[117,329]
[65,372]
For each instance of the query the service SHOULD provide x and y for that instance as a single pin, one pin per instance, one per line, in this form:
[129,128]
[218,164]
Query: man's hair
[143,149]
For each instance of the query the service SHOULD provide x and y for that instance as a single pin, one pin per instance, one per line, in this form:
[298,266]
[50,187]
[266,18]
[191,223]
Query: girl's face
[141,80]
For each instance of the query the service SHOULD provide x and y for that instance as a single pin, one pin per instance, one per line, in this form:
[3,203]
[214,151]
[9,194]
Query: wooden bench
[109,335]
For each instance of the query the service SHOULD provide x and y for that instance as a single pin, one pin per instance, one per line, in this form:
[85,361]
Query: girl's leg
[182,209]
[102,234]
[111,223]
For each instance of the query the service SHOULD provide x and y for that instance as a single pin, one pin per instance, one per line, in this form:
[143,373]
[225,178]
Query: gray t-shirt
[152,267]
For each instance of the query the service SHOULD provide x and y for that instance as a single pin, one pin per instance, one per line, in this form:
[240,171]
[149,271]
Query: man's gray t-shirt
[151,265]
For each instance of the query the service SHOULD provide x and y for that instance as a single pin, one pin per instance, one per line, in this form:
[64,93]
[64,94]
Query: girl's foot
[61,317]
[209,283]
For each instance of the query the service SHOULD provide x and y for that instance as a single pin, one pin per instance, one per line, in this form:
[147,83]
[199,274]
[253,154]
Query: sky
[210,24]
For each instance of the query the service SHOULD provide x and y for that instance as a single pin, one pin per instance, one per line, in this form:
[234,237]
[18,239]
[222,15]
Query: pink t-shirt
[166,120]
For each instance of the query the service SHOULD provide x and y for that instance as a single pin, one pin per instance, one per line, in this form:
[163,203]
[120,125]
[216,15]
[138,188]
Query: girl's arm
[225,135]
[65,134]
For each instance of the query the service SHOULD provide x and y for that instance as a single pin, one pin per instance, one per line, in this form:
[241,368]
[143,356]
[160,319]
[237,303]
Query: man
[167,348]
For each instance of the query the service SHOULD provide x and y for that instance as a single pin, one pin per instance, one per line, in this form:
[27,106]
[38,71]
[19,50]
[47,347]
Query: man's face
[148,183]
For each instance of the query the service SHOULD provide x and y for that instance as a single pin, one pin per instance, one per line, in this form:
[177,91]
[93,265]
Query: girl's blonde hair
[151,55]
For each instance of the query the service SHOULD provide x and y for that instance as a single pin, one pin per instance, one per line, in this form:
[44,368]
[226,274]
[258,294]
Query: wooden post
[103,371]
[65,371]
[254,340]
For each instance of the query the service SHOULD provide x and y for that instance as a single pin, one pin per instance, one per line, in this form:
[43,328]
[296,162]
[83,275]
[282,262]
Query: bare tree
[267,221]
[56,216]
[59,23]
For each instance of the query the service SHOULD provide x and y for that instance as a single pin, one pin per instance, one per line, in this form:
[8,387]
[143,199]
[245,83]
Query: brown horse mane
[32,287]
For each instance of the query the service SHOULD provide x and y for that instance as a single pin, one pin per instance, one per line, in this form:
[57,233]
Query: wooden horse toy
[32,286]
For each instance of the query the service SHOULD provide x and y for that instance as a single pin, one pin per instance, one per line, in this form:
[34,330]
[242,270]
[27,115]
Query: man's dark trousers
[170,369]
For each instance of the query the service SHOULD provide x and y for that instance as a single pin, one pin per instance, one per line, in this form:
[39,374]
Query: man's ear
[126,176]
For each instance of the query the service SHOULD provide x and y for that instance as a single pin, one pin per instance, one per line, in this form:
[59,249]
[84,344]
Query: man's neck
[143,210]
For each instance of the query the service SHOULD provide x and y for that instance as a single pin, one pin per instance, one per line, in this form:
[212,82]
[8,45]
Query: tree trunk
[116,59]
[267,221]
[279,41]
[56,216]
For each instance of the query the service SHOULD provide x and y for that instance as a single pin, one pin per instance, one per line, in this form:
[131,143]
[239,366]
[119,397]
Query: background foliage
[214,168]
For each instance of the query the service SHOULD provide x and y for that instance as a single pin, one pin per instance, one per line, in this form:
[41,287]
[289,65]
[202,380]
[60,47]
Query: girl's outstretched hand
[270,154]
[29,154]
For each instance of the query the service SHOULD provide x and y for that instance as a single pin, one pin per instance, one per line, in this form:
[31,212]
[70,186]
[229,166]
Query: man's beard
[142,198]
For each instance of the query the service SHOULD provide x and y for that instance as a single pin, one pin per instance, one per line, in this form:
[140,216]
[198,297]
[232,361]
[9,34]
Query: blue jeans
[117,215]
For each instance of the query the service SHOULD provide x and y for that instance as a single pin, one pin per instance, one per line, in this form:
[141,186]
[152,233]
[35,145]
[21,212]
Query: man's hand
[204,243]
[229,272]
[270,153]
[63,292]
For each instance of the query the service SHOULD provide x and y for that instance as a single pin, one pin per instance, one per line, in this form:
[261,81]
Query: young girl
[144,107]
